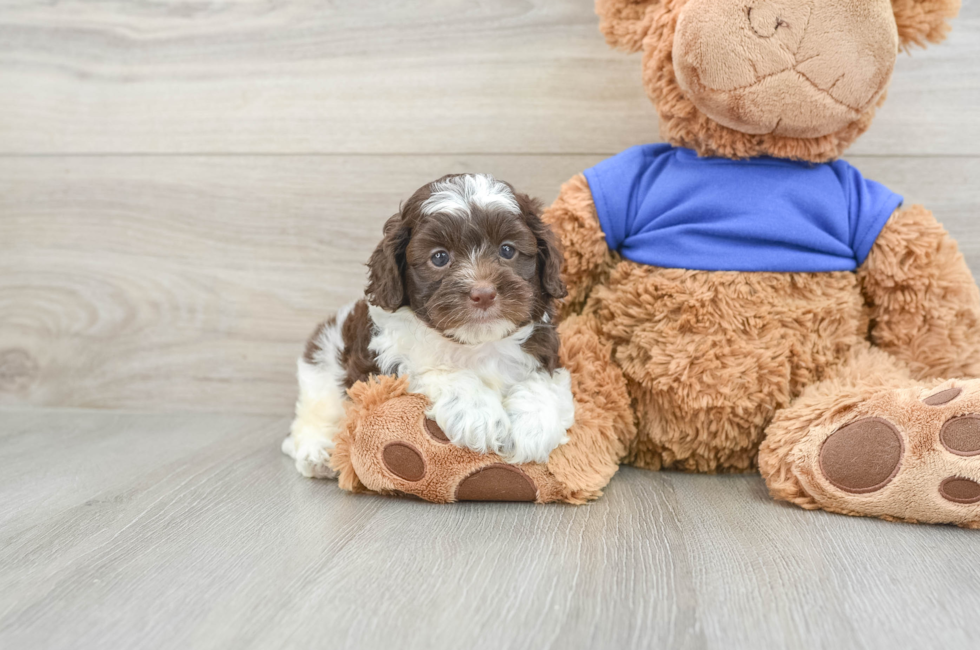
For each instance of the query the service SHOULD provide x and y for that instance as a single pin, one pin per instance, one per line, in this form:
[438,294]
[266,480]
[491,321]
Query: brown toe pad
[404,461]
[942,397]
[960,490]
[436,432]
[497,482]
[863,456]
[961,435]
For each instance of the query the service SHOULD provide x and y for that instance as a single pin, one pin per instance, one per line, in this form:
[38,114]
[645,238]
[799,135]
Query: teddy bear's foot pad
[863,456]
[400,451]
[960,490]
[404,461]
[497,483]
[961,436]
[911,454]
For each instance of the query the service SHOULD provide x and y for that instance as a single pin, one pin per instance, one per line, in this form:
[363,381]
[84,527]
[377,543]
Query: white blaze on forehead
[458,195]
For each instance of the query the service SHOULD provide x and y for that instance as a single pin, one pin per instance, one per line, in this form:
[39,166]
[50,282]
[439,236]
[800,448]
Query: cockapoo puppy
[461,299]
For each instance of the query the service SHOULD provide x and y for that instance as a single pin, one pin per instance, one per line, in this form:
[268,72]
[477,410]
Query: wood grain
[379,76]
[145,531]
[192,282]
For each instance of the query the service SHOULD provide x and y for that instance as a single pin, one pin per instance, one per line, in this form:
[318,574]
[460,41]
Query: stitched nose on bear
[793,68]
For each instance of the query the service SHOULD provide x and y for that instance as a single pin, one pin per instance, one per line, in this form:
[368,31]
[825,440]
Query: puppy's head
[471,257]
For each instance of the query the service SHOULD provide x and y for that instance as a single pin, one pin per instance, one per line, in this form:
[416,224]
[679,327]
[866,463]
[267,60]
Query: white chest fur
[405,345]
[489,397]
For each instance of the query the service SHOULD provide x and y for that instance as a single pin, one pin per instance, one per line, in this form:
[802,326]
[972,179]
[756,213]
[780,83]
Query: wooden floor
[188,186]
[124,530]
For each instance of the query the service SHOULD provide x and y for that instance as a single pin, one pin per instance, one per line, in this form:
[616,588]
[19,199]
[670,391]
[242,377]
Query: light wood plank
[844,582]
[176,530]
[192,282]
[380,76]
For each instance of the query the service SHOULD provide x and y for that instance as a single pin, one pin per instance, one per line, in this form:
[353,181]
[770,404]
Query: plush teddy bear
[740,298]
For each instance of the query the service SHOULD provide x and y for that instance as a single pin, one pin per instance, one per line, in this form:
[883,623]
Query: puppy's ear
[386,268]
[550,258]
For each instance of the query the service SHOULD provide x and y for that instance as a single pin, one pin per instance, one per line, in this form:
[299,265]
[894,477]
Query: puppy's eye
[439,258]
[508,252]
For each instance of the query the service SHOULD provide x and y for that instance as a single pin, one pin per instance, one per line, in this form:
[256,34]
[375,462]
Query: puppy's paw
[475,420]
[319,418]
[311,455]
[541,411]
[533,436]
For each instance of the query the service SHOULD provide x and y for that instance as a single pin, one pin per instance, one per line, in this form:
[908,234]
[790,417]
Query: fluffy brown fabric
[924,304]
[924,21]
[588,260]
[925,325]
[682,124]
[604,421]
[711,356]
[784,68]
[874,385]
[625,23]
[866,372]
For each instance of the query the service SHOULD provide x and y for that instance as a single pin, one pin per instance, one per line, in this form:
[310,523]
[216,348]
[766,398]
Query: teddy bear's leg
[389,446]
[875,442]
[604,425]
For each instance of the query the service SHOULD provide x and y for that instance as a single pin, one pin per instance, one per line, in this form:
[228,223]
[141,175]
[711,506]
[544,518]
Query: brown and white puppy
[461,299]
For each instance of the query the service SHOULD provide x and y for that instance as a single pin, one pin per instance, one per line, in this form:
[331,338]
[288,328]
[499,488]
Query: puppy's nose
[482,296]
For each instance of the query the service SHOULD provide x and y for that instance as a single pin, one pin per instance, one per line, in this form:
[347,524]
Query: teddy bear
[740,298]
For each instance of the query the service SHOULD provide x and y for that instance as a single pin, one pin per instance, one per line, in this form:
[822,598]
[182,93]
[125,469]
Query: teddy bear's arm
[924,302]
[588,259]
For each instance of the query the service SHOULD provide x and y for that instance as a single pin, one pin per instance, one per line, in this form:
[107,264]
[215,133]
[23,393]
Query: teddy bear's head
[786,78]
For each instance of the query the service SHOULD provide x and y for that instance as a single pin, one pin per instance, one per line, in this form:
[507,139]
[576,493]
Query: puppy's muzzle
[483,296]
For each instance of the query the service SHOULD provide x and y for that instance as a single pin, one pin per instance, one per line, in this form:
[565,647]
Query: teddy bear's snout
[786,67]
[766,19]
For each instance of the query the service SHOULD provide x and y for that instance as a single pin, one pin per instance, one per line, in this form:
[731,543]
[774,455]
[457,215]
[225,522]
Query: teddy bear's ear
[626,22]
[923,21]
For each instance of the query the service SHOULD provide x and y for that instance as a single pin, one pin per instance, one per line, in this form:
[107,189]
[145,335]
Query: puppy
[461,299]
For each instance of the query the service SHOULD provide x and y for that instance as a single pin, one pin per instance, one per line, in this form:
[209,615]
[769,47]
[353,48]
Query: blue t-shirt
[665,206]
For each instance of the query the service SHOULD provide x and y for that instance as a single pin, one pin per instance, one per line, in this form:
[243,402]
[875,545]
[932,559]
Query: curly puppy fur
[461,300]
